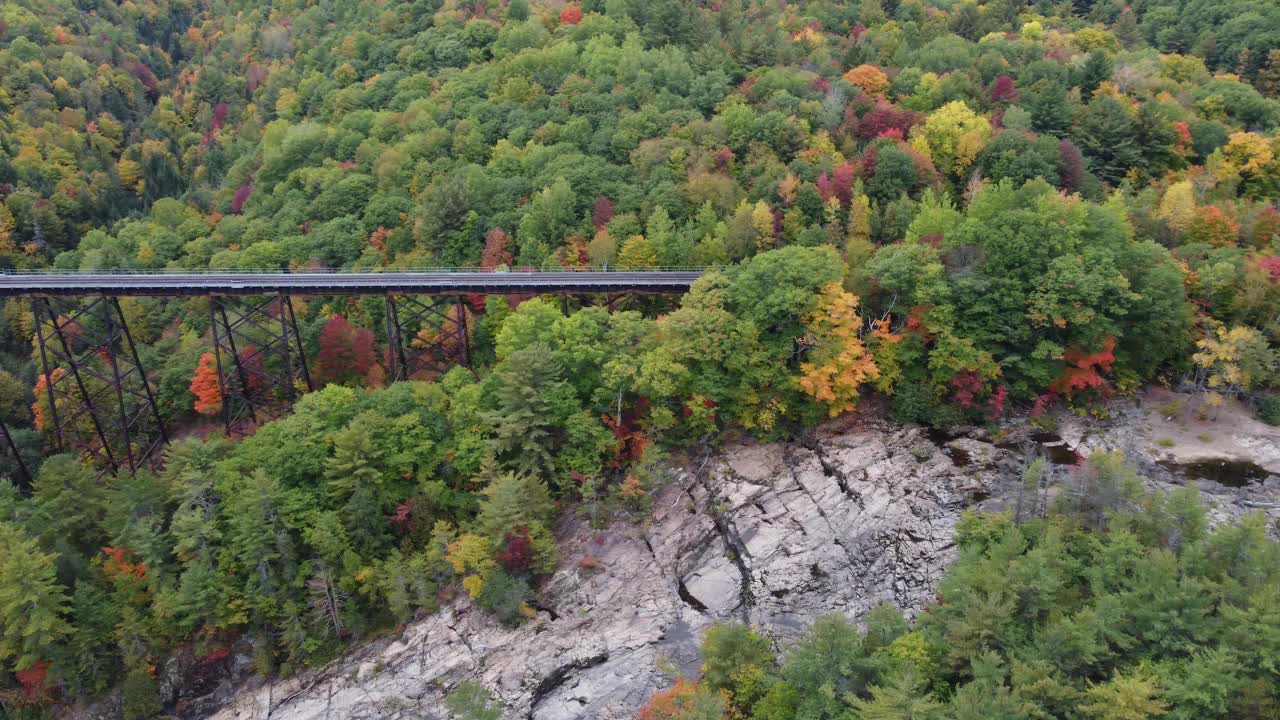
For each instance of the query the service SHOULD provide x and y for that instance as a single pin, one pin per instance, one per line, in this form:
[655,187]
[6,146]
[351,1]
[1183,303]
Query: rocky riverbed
[860,513]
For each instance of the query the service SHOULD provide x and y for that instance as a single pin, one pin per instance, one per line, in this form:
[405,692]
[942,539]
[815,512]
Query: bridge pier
[260,360]
[23,480]
[99,398]
[426,336]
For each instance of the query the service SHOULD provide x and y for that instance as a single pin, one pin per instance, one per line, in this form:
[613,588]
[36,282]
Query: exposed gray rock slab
[772,534]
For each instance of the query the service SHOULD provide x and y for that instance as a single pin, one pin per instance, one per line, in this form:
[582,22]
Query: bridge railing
[378,270]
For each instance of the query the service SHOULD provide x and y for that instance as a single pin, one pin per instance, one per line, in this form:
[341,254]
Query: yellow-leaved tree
[762,222]
[471,557]
[1232,361]
[6,230]
[838,362]
[1178,206]
[637,252]
[952,135]
[1246,153]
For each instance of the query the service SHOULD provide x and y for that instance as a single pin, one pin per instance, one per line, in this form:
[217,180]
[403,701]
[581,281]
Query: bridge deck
[346,283]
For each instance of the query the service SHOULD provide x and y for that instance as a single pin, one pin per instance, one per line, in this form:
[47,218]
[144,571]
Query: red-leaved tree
[884,118]
[571,15]
[516,553]
[238,200]
[1271,265]
[602,213]
[839,184]
[1003,90]
[35,683]
[1084,370]
[347,353]
[497,249]
[1072,166]
[496,253]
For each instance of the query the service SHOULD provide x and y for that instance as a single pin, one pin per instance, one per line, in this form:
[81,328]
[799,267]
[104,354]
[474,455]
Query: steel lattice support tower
[24,479]
[99,397]
[261,364]
[426,335]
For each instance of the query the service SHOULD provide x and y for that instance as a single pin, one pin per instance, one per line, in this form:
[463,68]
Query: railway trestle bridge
[95,394]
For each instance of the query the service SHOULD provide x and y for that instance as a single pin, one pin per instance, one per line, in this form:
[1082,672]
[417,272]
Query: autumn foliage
[35,683]
[884,118]
[40,409]
[839,184]
[870,78]
[204,385]
[116,564]
[497,249]
[1212,226]
[241,196]
[346,354]
[1271,265]
[1084,370]
[954,204]
[672,703]
[838,361]
[1003,90]
[516,553]
[571,15]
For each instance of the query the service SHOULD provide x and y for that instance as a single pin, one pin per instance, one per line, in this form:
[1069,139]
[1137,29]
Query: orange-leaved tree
[40,410]
[1083,370]
[870,78]
[839,362]
[204,385]
[684,701]
[571,15]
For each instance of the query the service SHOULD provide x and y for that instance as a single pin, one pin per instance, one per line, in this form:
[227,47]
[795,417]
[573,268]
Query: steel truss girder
[446,343]
[260,360]
[609,301]
[102,379]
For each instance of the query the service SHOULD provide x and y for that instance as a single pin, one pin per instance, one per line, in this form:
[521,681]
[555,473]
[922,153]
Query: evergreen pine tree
[1108,137]
[1126,28]
[32,603]
[137,513]
[353,462]
[356,482]
[1097,68]
[672,247]
[531,402]
[91,657]
[260,545]
[67,509]
[900,697]
[513,500]
[1155,139]
[140,695]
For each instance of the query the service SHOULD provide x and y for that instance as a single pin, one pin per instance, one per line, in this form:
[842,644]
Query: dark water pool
[1048,444]
[1230,473]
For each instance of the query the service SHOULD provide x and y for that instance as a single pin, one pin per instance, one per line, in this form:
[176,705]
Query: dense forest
[973,211]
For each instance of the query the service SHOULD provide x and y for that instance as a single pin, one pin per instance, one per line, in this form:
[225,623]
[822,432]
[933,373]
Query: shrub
[141,695]
[1269,410]
[504,596]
